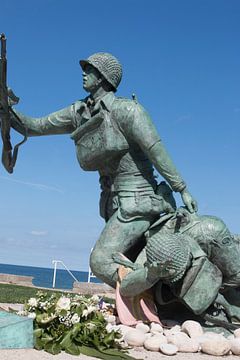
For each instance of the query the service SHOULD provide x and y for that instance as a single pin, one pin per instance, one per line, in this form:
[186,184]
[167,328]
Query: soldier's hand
[12,98]
[159,270]
[189,201]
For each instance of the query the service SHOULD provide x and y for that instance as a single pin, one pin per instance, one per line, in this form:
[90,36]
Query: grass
[16,294]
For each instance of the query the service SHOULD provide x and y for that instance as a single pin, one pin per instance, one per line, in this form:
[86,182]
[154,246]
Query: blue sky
[182,60]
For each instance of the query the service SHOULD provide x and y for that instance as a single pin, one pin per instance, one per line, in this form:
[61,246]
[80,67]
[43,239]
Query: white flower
[63,303]
[75,319]
[90,326]
[91,308]
[32,302]
[43,305]
[88,311]
[32,315]
[22,313]
[95,298]
[66,320]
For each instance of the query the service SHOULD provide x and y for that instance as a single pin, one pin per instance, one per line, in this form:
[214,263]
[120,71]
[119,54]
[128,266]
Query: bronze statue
[116,137]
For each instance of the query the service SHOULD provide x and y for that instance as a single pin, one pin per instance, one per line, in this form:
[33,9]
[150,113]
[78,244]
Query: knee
[103,267]
[96,261]
[100,263]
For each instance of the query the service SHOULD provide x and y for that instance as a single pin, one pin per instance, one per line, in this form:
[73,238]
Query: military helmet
[108,66]
[173,250]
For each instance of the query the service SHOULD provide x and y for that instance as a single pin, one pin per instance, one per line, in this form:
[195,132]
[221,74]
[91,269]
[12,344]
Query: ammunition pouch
[98,141]
[200,285]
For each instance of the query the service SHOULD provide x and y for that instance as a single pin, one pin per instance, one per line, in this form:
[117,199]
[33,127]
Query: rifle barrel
[3,59]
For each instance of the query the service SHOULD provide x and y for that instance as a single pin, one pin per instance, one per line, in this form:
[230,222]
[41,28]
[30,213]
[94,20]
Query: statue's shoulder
[124,104]
[79,103]
[125,112]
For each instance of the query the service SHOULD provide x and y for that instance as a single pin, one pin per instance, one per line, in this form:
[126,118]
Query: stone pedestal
[16,332]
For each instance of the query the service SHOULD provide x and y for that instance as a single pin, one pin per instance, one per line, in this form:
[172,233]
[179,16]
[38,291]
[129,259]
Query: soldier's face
[91,78]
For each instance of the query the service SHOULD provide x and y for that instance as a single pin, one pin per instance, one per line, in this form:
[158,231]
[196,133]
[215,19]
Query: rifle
[9,157]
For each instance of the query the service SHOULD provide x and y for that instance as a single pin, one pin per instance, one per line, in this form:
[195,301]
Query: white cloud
[53,246]
[41,187]
[38,233]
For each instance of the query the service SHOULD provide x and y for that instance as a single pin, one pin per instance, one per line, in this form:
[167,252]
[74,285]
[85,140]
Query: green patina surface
[16,332]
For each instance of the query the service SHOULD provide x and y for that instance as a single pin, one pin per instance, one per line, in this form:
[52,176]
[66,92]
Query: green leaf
[119,353]
[53,348]
[38,344]
[109,339]
[66,341]
[73,349]
[76,329]
[63,312]
[105,355]
[89,351]
[46,339]
[38,333]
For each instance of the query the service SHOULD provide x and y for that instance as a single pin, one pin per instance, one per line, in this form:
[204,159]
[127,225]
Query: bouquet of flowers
[75,324]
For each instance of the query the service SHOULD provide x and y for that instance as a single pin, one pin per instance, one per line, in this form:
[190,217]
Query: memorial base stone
[16,332]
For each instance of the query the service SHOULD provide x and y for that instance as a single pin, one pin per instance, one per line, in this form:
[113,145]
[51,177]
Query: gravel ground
[138,354]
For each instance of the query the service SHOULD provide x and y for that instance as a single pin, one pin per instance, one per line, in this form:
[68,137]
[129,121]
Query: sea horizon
[39,266]
[43,276]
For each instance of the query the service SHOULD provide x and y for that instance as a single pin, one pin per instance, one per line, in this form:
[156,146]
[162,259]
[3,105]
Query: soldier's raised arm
[59,122]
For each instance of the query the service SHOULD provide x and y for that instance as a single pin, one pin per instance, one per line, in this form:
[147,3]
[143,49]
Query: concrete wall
[16,279]
[92,288]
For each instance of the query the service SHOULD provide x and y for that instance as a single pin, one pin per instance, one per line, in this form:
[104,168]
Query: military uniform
[116,137]
[188,258]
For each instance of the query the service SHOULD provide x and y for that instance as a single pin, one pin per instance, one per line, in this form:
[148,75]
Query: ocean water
[43,277]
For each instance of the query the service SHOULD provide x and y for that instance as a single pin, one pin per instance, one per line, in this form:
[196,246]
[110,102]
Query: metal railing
[55,263]
[90,273]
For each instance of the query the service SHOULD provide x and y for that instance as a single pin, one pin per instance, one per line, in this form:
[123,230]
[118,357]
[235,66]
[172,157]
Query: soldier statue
[116,137]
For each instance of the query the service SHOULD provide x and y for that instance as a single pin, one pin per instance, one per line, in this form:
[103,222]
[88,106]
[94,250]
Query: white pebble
[235,346]
[154,342]
[135,337]
[237,333]
[192,328]
[209,335]
[143,328]
[174,330]
[178,338]
[218,346]
[123,329]
[188,346]
[168,349]
[154,327]
[183,342]
[161,338]
[166,332]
